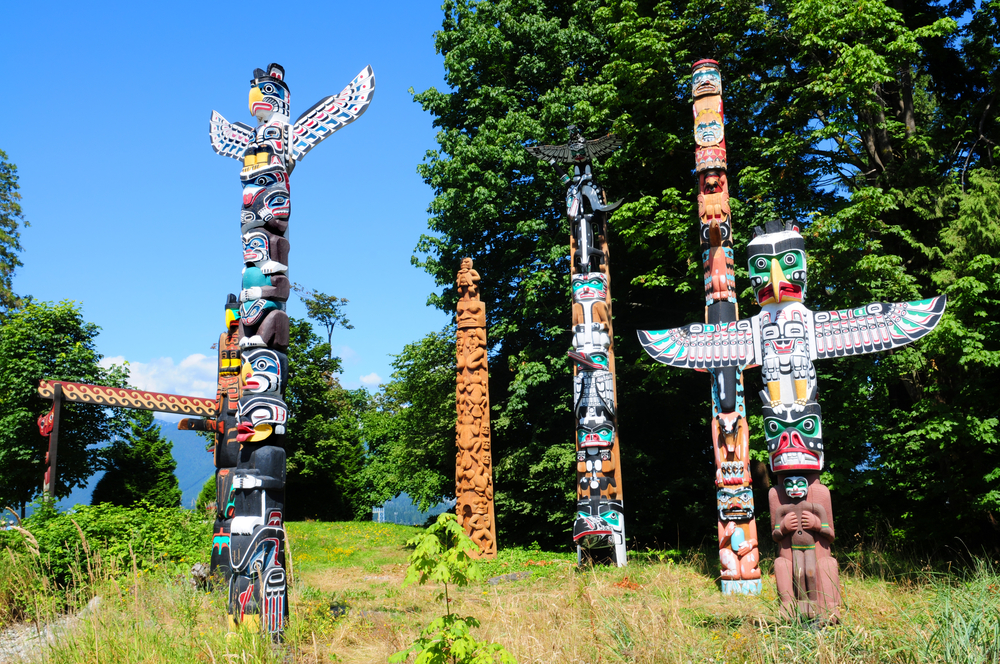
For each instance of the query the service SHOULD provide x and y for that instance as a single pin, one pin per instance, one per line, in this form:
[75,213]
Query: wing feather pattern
[878,326]
[703,346]
[560,153]
[229,139]
[333,113]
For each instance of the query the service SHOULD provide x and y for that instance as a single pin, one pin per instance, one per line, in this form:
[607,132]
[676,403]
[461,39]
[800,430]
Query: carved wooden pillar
[473,460]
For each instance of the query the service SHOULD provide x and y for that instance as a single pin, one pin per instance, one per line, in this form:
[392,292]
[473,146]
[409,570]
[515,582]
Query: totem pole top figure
[786,337]
[276,142]
[579,150]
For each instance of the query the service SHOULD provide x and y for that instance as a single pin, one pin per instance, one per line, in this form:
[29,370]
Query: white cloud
[372,379]
[195,375]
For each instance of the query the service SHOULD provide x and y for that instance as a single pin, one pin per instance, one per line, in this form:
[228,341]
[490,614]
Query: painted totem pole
[473,461]
[737,529]
[784,339]
[599,529]
[227,447]
[255,487]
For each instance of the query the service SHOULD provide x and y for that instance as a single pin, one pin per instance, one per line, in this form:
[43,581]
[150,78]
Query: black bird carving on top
[579,150]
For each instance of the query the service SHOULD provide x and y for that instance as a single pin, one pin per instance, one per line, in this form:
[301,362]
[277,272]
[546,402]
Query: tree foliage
[52,341]
[410,430]
[138,467]
[11,219]
[323,445]
[873,124]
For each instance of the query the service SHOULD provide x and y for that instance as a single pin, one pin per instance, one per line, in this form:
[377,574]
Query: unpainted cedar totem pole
[474,458]
[784,339]
[599,528]
[252,493]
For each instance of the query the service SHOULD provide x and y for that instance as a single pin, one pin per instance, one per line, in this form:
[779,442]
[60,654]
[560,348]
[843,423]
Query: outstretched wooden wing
[229,139]
[333,113]
[560,153]
[600,147]
[878,326]
[704,346]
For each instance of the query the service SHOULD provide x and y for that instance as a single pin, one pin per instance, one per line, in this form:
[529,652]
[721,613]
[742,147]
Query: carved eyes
[808,426]
[761,263]
[772,426]
[789,259]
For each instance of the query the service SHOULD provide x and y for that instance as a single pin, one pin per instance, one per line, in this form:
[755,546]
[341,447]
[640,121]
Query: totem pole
[255,487]
[737,529]
[473,461]
[227,447]
[784,339]
[599,529]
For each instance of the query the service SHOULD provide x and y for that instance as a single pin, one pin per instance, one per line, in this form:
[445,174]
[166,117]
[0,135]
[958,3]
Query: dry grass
[649,612]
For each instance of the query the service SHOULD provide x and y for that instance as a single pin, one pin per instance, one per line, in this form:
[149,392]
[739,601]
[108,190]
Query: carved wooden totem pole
[254,488]
[227,447]
[737,529]
[784,339]
[599,529]
[474,460]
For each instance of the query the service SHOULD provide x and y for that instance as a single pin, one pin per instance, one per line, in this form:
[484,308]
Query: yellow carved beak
[261,431]
[244,373]
[777,276]
[255,95]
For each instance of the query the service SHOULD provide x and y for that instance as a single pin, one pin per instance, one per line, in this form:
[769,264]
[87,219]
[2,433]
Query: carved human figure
[805,572]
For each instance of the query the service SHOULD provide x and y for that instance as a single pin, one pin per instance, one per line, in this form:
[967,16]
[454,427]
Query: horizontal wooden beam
[103,395]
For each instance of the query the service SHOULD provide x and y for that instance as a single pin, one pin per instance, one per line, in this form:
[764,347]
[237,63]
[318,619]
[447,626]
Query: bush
[113,534]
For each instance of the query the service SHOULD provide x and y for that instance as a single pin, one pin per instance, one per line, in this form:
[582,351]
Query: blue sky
[133,215]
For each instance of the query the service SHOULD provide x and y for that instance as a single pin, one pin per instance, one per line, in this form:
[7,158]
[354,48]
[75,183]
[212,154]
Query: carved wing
[704,346]
[603,146]
[229,139]
[333,113]
[878,326]
[560,153]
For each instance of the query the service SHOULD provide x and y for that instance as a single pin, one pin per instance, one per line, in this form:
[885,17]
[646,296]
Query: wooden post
[54,440]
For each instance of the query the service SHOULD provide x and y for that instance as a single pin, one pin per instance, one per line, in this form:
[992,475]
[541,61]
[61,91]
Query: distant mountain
[194,467]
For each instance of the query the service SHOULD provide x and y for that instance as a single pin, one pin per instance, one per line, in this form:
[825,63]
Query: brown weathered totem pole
[473,460]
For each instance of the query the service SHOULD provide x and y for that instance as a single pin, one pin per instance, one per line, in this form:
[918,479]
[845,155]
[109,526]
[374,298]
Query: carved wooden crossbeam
[127,398]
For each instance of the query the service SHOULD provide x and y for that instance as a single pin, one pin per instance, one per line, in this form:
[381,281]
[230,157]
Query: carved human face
[595,435]
[796,487]
[587,287]
[794,438]
[263,371]
[777,265]
[706,79]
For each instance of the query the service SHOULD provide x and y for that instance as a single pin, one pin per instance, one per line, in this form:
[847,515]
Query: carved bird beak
[777,276]
[255,95]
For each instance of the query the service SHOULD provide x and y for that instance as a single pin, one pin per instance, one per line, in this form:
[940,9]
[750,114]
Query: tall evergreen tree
[11,220]
[139,467]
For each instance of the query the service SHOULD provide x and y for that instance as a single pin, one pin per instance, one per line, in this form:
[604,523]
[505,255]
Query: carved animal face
[265,196]
[260,417]
[269,93]
[595,435]
[794,438]
[735,504]
[729,427]
[706,79]
[263,371]
[777,263]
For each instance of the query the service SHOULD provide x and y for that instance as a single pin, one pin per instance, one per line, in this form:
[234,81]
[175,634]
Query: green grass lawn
[348,605]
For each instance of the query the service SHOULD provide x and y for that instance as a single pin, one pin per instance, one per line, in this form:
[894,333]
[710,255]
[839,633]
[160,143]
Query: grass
[348,605]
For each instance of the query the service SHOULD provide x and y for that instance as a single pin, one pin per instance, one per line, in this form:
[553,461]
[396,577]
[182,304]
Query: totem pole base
[742,587]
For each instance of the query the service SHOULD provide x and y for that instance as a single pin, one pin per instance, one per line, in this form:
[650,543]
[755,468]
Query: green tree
[138,467]
[323,445]
[11,219]
[873,124]
[327,310]
[52,341]
[410,430]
